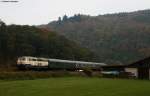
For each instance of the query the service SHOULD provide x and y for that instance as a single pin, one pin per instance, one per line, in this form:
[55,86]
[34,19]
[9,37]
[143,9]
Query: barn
[141,68]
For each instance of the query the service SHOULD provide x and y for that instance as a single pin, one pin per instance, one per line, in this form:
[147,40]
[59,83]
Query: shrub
[31,75]
[88,72]
[110,76]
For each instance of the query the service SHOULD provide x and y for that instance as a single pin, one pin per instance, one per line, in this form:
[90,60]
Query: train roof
[79,62]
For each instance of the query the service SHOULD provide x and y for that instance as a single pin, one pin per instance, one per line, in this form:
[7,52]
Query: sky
[36,12]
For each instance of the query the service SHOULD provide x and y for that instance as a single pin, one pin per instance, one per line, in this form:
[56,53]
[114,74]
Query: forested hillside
[116,38]
[16,40]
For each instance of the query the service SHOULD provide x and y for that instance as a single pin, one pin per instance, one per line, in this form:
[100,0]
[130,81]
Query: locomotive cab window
[30,59]
[23,59]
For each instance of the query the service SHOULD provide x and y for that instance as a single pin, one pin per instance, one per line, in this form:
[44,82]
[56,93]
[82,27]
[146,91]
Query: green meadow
[75,86]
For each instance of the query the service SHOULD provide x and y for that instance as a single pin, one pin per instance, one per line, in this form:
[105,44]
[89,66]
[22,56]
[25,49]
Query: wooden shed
[140,68]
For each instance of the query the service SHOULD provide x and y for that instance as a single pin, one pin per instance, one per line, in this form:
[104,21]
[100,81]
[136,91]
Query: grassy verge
[75,86]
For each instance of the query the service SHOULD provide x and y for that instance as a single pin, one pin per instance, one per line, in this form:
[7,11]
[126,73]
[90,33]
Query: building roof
[141,63]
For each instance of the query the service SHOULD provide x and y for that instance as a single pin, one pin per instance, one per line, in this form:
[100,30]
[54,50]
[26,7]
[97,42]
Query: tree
[2,36]
[17,40]
[65,18]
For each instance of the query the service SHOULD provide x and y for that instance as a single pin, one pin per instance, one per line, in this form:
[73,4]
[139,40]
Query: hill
[16,40]
[119,38]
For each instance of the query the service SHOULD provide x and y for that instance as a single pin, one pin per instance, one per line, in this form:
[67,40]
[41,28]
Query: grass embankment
[75,86]
[31,75]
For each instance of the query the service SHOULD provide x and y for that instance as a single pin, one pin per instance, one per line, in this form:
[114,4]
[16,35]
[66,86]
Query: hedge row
[30,75]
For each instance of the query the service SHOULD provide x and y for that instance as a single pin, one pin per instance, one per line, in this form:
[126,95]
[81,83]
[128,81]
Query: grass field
[75,86]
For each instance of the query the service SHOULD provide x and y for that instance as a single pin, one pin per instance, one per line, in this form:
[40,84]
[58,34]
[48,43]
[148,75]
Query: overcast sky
[34,12]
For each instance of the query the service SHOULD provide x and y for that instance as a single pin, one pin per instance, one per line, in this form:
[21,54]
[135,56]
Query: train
[29,62]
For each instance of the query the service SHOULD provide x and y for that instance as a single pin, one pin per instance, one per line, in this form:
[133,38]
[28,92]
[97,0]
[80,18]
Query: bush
[110,76]
[88,72]
[31,75]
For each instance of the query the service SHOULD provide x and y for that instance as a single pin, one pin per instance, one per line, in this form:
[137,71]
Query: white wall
[132,70]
